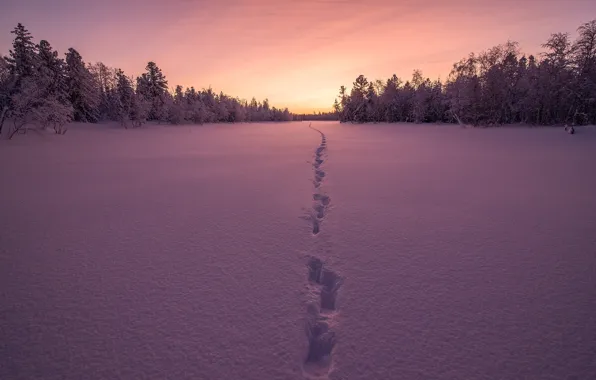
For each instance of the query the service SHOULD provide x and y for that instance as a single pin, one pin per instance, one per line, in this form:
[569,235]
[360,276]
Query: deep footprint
[315,268]
[316,227]
[328,300]
[320,210]
[330,280]
[331,283]
[325,200]
[321,341]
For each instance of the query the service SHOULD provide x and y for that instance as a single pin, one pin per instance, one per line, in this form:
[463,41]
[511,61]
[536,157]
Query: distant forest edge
[39,88]
[498,86]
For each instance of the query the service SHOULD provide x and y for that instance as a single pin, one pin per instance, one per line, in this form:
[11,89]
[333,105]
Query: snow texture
[276,251]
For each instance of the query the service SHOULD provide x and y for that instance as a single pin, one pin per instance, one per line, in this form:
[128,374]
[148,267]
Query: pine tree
[54,108]
[131,107]
[16,67]
[584,57]
[343,105]
[177,111]
[223,106]
[7,82]
[22,58]
[51,72]
[153,87]
[358,102]
[253,109]
[124,96]
[83,90]
[372,106]
[265,111]
[336,107]
[421,97]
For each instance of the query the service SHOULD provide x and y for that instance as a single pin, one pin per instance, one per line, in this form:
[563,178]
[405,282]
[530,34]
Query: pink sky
[296,53]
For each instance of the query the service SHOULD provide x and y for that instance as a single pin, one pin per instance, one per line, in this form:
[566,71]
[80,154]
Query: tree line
[498,86]
[315,116]
[37,87]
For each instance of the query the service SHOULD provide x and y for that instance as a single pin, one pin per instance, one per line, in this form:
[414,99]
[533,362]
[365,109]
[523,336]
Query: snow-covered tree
[124,95]
[20,64]
[22,103]
[54,108]
[51,73]
[106,79]
[358,101]
[584,58]
[50,112]
[177,108]
[153,87]
[36,93]
[494,87]
[37,88]
[139,111]
[7,83]
[130,107]
[83,90]
[31,106]
[22,59]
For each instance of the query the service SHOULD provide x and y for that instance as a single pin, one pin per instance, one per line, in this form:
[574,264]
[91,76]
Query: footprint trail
[323,282]
[321,201]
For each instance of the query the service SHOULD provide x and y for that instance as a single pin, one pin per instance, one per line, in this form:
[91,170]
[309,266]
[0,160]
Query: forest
[495,87]
[498,86]
[39,88]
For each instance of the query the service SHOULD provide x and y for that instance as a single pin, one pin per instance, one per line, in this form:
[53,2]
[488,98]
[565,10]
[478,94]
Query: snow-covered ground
[251,251]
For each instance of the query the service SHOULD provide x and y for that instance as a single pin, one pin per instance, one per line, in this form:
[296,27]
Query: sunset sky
[296,53]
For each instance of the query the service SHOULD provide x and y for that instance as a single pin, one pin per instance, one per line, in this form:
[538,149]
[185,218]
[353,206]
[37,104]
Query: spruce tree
[125,95]
[7,81]
[16,67]
[83,91]
[584,57]
[51,72]
[153,87]
[22,59]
